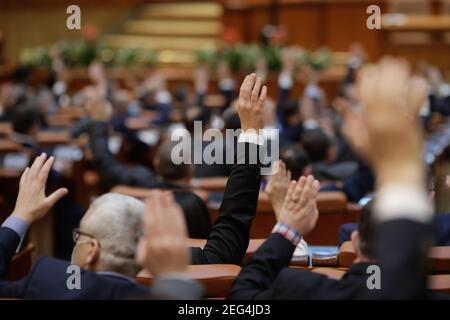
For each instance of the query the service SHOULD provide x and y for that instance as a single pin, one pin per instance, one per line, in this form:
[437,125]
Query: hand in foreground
[32,204]
[278,186]
[391,99]
[163,245]
[251,103]
[299,210]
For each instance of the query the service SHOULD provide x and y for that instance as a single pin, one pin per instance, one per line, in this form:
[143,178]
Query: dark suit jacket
[48,280]
[401,255]
[230,235]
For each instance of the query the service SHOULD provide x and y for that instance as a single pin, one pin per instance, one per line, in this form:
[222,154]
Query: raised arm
[113,172]
[31,205]
[394,146]
[230,235]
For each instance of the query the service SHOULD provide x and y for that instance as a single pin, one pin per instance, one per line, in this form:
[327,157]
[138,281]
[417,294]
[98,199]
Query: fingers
[299,188]
[262,97]
[288,201]
[305,193]
[44,172]
[247,86]
[256,90]
[55,196]
[23,178]
[275,169]
[36,166]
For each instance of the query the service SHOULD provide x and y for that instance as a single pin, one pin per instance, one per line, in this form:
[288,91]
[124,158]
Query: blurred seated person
[105,249]
[26,122]
[321,152]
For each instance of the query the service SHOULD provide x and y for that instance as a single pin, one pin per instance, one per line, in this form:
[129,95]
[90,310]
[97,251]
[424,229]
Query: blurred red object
[90,32]
[231,35]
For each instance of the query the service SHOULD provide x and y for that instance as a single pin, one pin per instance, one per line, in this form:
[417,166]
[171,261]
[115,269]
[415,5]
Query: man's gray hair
[115,221]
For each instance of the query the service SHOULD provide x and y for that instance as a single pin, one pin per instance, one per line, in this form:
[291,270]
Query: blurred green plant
[243,57]
[80,53]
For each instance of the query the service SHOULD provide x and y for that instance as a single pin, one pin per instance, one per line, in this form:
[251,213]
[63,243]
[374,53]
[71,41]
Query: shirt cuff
[285,80]
[395,202]
[16,224]
[289,233]
[251,137]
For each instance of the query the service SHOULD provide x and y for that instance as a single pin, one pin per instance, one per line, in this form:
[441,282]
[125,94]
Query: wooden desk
[9,146]
[216,278]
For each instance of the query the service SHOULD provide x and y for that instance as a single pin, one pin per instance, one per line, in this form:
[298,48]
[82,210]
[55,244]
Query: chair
[334,210]
[439,258]
[440,283]
[20,264]
[53,137]
[9,146]
[215,278]
[346,255]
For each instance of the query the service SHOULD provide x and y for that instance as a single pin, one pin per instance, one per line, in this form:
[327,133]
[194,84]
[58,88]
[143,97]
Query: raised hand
[31,203]
[391,99]
[278,186]
[250,104]
[299,210]
[163,245]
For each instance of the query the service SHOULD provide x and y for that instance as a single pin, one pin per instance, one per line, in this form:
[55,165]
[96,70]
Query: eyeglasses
[77,233]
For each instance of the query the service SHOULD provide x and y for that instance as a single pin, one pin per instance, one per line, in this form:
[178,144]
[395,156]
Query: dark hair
[366,230]
[316,144]
[166,168]
[296,160]
[24,118]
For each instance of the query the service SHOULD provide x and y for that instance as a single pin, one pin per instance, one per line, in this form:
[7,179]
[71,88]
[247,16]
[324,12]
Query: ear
[93,255]
[355,241]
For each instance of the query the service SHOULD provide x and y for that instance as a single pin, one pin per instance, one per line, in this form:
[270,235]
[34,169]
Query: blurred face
[86,252]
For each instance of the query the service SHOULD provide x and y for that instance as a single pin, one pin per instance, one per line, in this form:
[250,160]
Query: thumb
[55,196]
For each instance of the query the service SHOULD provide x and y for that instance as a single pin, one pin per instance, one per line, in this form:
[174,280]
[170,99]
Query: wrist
[410,173]
[23,216]
[288,232]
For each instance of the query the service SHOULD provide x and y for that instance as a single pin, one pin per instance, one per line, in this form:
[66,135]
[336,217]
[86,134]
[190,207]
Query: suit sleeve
[256,279]
[230,234]
[9,241]
[401,248]
[113,172]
